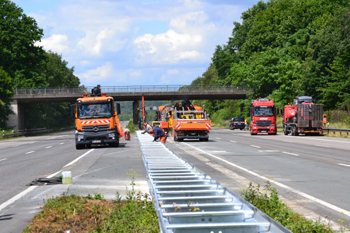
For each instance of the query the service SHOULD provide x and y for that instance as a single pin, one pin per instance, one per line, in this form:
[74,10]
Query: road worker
[147,127]
[127,134]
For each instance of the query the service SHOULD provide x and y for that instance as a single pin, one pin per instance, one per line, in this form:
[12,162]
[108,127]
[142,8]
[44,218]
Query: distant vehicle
[303,117]
[96,120]
[237,123]
[263,117]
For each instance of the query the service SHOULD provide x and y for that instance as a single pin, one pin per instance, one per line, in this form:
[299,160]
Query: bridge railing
[118,89]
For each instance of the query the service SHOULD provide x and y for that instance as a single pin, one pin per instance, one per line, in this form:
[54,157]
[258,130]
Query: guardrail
[187,200]
[118,89]
[26,132]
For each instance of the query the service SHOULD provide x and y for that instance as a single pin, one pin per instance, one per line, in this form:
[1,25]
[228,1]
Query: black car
[237,123]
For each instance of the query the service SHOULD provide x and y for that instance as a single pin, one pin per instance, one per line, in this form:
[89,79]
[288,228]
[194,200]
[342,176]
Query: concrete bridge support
[16,120]
[136,112]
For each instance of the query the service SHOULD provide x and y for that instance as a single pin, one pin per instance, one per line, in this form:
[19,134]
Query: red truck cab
[263,117]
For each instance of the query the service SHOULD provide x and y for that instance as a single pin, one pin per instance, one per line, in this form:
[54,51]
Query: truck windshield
[94,110]
[263,111]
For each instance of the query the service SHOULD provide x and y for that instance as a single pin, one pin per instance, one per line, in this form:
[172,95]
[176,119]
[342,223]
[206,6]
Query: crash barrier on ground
[26,132]
[188,200]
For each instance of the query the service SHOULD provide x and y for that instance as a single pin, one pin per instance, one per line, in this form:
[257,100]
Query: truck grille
[92,128]
[263,123]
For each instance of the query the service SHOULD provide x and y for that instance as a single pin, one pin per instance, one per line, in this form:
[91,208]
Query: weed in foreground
[95,214]
[280,212]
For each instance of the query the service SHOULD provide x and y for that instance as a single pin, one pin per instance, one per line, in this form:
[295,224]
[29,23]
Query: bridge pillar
[136,112]
[17,118]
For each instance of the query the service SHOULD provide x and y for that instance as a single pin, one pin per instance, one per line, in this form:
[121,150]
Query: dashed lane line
[288,153]
[29,152]
[233,141]
[28,190]
[48,147]
[319,201]
[61,143]
[345,165]
[255,146]
[75,160]
[3,159]
[218,138]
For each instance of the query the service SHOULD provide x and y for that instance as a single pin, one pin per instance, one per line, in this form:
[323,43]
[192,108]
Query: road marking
[218,151]
[345,165]
[48,147]
[218,138]
[288,153]
[30,152]
[255,146]
[268,151]
[20,195]
[3,159]
[322,146]
[61,143]
[75,160]
[233,141]
[333,207]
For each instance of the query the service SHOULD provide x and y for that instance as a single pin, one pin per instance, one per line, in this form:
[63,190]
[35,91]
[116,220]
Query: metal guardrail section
[189,201]
[118,89]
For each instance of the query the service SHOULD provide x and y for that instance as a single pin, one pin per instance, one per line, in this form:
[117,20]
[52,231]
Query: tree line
[283,49]
[23,64]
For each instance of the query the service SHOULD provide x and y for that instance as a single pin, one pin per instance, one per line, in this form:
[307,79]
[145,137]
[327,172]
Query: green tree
[6,94]
[19,56]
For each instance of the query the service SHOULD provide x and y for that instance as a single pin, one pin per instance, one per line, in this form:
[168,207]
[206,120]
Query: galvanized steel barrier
[187,200]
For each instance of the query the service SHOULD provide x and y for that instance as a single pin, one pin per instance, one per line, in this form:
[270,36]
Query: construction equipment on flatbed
[303,117]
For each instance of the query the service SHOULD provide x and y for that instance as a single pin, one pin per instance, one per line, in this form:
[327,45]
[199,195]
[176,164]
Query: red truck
[263,117]
[303,117]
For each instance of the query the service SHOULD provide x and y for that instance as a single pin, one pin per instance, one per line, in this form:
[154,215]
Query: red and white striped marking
[208,126]
[178,126]
[95,122]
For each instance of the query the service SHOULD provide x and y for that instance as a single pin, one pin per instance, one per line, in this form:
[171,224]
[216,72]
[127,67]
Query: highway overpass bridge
[119,93]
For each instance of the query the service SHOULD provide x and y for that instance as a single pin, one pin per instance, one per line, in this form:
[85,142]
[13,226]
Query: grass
[267,201]
[94,214]
[131,126]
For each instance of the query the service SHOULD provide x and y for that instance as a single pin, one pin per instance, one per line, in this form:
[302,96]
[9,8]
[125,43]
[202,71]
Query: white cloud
[172,72]
[98,75]
[55,43]
[170,47]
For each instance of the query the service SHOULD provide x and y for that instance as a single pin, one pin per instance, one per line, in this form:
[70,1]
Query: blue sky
[135,42]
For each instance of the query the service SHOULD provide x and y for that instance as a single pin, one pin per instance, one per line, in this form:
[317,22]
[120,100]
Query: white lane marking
[75,160]
[268,151]
[30,152]
[322,146]
[255,146]
[233,141]
[218,138]
[48,147]
[333,207]
[218,151]
[3,159]
[288,153]
[20,195]
[345,165]
[61,143]
[15,198]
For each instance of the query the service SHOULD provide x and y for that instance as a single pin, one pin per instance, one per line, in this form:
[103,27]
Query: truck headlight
[272,127]
[254,126]
[111,135]
[80,137]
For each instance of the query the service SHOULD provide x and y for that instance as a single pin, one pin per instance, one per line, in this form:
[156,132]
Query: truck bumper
[99,141]
[193,137]
[259,130]
[97,138]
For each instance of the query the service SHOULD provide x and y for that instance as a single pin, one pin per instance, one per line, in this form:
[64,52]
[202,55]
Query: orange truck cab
[96,121]
[263,117]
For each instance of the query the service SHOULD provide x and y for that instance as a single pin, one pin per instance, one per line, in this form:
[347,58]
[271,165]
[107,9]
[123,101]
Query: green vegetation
[131,126]
[95,214]
[268,202]
[25,65]
[283,49]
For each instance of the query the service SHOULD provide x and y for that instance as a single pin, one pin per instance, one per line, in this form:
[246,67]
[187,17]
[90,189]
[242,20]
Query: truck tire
[231,128]
[285,132]
[116,144]
[79,147]
[206,139]
[295,131]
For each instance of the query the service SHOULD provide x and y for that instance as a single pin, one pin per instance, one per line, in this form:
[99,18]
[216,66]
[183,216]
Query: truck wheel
[78,147]
[206,139]
[175,137]
[285,132]
[240,128]
[231,127]
[294,131]
[116,144]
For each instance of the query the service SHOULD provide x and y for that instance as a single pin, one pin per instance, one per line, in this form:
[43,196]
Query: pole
[143,109]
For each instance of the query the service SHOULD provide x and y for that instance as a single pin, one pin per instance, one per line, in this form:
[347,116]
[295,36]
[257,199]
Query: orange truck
[189,122]
[96,121]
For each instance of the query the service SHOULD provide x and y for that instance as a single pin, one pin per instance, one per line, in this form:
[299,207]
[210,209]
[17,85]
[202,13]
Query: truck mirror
[118,108]
[72,110]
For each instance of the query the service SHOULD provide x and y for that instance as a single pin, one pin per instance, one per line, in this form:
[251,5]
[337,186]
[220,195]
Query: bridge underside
[132,96]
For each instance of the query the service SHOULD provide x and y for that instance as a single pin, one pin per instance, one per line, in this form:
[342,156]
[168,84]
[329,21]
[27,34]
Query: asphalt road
[311,172]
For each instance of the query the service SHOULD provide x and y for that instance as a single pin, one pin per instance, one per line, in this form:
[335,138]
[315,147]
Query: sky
[135,42]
